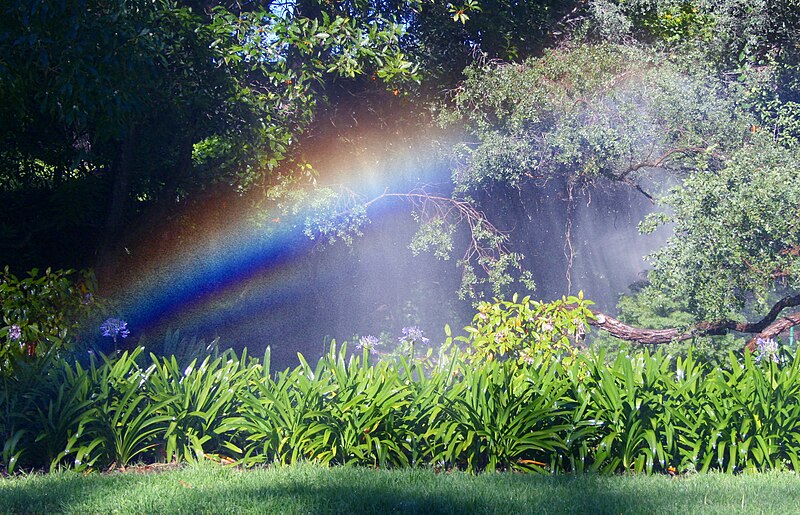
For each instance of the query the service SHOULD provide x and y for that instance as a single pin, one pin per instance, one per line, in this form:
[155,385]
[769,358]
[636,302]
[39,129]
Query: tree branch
[767,327]
[457,210]
[624,176]
[626,332]
[774,329]
[659,162]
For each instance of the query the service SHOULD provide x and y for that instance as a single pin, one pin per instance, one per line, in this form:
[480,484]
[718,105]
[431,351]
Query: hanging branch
[457,211]
[661,161]
[569,251]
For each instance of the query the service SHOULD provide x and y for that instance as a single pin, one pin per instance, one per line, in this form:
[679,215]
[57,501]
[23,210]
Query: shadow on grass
[309,489]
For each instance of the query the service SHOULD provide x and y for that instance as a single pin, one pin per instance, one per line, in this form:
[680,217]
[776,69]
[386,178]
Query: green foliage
[736,233]
[142,103]
[640,413]
[727,32]
[636,116]
[364,423]
[494,271]
[623,403]
[753,39]
[588,111]
[528,330]
[498,29]
[185,350]
[42,313]
[740,419]
[322,213]
[121,422]
[434,236]
[501,416]
[275,418]
[201,397]
[674,23]
[773,94]
[646,416]
[43,402]
[651,308]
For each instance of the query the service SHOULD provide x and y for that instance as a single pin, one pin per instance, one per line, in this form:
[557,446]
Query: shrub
[42,313]
[640,413]
[526,329]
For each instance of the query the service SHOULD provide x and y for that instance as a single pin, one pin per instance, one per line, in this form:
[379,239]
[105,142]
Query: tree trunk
[122,171]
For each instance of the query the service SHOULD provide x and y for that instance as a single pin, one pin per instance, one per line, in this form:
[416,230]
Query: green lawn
[312,489]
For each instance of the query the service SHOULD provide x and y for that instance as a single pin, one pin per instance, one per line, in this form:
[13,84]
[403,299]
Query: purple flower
[368,342]
[15,332]
[767,347]
[413,335]
[114,327]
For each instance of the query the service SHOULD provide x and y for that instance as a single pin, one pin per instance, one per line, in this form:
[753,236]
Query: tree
[604,112]
[752,40]
[735,246]
[113,113]
[127,109]
[144,102]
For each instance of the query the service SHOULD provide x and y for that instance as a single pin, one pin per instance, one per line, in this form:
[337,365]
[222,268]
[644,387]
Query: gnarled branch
[767,327]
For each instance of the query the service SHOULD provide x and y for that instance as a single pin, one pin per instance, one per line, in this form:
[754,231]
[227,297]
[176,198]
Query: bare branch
[658,163]
[457,211]
[624,176]
[767,327]
[569,251]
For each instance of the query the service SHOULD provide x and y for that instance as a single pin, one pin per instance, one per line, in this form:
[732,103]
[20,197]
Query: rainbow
[232,276]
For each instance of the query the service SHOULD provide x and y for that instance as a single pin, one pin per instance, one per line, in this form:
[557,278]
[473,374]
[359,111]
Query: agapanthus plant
[368,342]
[115,328]
[15,332]
[767,348]
[413,335]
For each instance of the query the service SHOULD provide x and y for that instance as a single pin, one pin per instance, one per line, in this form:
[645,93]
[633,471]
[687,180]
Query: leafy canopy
[632,115]
[737,231]
[590,111]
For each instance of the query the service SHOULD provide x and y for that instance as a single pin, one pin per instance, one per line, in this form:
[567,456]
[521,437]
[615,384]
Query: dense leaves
[590,111]
[42,313]
[736,233]
[644,413]
[623,113]
[157,100]
[525,330]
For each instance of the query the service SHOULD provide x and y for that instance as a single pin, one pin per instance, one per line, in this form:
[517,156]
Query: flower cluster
[527,356]
[115,328]
[767,348]
[368,342]
[15,332]
[413,335]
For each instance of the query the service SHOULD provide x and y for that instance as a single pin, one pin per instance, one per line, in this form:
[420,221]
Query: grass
[313,489]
